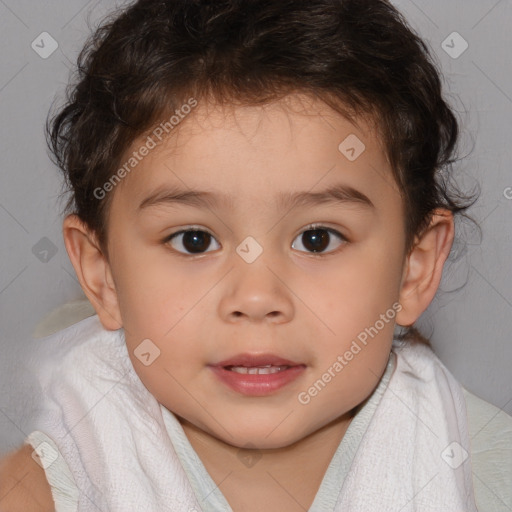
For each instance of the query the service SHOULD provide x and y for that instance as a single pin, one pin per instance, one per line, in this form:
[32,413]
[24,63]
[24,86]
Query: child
[256,205]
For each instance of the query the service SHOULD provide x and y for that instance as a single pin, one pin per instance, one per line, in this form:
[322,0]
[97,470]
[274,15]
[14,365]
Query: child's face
[203,308]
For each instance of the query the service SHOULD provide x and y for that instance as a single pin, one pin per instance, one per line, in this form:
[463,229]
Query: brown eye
[317,239]
[193,241]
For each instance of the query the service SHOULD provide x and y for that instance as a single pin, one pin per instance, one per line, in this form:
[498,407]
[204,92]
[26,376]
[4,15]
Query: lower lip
[257,385]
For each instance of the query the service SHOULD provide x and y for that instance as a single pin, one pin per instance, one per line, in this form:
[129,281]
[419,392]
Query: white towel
[111,433]
[415,454]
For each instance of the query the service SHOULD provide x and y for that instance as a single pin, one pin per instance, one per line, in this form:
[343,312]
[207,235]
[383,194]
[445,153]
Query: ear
[423,267]
[93,271]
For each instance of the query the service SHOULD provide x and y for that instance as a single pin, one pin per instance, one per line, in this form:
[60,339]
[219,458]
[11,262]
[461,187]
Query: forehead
[260,153]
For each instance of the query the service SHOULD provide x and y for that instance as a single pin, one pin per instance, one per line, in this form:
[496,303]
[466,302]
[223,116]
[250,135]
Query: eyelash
[311,227]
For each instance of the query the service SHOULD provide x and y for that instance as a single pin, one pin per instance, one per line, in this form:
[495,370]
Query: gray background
[469,326]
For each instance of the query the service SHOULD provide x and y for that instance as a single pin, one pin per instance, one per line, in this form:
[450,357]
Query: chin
[260,438]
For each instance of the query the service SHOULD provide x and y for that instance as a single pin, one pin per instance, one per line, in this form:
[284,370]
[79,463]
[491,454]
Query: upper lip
[251,360]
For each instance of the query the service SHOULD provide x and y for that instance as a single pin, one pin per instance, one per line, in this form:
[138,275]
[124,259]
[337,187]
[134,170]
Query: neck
[299,468]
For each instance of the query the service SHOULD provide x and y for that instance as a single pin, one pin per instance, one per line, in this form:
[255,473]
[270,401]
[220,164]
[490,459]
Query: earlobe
[93,271]
[424,267]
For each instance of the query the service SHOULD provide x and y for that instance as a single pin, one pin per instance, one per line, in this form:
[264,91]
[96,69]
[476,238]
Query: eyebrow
[335,195]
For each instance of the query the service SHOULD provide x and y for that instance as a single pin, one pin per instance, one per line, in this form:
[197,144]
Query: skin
[23,484]
[301,305]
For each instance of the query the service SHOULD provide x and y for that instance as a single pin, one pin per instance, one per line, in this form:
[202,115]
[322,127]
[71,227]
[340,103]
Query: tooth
[258,370]
[239,369]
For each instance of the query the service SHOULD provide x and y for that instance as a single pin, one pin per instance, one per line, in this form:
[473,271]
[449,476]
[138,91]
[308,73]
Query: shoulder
[23,483]
[490,434]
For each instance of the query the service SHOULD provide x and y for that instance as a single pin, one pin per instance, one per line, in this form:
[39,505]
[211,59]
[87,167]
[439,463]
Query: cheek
[154,293]
[355,303]
[174,361]
[350,293]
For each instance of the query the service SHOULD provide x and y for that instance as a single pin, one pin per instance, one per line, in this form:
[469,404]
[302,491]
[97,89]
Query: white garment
[110,431]
[66,494]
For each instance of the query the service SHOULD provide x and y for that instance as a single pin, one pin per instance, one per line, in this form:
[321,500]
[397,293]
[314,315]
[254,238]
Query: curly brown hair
[358,56]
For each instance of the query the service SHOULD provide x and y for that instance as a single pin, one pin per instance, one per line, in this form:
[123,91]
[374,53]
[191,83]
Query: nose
[256,292]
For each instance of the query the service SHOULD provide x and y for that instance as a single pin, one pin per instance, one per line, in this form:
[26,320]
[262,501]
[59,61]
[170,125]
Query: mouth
[257,370]
[256,361]
[257,374]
